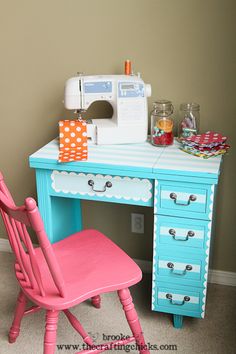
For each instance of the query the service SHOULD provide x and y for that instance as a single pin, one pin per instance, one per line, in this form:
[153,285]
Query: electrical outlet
[137,223]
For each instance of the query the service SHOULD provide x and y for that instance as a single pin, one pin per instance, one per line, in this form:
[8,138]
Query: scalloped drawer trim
[127,188]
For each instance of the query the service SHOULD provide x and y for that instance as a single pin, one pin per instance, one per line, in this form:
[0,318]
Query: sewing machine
[127,95]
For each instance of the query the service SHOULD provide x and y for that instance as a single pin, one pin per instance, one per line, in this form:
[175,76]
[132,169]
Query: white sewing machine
[127,95]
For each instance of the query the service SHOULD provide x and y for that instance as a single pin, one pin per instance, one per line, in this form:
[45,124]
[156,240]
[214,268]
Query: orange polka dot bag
[73,140]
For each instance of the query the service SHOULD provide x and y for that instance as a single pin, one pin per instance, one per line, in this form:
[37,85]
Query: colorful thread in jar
[163,132]
[162,124]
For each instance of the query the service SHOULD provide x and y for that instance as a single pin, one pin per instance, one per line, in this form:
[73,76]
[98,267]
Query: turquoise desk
[179,187]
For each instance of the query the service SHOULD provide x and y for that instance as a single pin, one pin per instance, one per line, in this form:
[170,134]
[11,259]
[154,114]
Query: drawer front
[184,199]
[117,189]
[182,301]
[178,270]
[179,232]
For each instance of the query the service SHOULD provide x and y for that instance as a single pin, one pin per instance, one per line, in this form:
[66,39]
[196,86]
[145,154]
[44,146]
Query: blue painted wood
[200,209]
[177,304]
[67,214]
[185,178]
[180,248]
[73,167]
[173,233]
[61,216]
[103,199]
[172,171]
[142,158]
[178,321]
[44,201]
[181,272]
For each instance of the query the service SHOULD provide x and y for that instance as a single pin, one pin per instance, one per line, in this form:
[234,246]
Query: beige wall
[184,48]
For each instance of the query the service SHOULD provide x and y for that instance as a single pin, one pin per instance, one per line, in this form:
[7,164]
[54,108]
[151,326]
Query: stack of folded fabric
[205,145]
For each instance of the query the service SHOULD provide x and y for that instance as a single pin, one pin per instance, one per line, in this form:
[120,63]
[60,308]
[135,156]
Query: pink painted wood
[59,276]
[19,313]
[132,318]
[78,327]
[96,301]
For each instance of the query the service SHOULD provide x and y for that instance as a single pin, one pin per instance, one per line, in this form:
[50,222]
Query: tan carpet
[215,334]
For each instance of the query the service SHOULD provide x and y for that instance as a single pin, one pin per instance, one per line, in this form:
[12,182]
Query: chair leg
[96,301]
[78,327]
[132,318]
[50,332]
[19,313]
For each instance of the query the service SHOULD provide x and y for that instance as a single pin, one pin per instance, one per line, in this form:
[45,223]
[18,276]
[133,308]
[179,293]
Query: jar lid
[163,105]
[192,106]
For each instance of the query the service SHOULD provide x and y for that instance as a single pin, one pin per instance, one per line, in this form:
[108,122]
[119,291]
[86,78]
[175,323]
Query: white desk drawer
[103,187]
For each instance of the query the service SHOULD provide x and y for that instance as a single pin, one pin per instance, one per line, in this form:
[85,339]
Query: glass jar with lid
[189,114]
[162,123]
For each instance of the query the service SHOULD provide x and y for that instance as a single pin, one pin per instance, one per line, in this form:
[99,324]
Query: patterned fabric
[73,140]
[208,139]
[206,145]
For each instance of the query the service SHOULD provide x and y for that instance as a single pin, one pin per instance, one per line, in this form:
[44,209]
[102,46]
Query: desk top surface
[131,157]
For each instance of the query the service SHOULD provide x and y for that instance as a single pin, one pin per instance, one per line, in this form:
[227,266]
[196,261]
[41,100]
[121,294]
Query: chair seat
[91,264]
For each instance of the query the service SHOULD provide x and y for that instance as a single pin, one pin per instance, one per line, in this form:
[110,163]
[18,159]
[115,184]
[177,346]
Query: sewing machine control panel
[98,87]
[126,89]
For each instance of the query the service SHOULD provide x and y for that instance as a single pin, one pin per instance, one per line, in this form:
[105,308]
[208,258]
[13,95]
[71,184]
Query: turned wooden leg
[178,321]
[50,332]
[132,318]
[78,327]
[19,313]
[96,301]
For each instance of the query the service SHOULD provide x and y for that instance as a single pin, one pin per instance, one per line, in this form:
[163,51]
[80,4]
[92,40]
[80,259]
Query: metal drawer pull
[179,272]
[190,233]
[170,265]
[108,184]
[189,267]
[192,198]
[177,302]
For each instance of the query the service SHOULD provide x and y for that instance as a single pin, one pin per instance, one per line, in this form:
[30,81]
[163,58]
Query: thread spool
[127,67]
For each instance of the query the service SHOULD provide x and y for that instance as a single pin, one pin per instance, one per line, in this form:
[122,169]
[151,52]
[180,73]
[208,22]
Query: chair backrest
[16,220]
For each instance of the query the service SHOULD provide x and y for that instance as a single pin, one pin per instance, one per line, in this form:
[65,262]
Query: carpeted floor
[215,334]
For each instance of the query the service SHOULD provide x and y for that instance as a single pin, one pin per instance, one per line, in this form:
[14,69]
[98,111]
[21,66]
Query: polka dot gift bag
[73,140]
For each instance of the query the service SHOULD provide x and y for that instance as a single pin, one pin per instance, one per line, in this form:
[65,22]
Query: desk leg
[66,217]
[178,321]
[62,216]
[44,200]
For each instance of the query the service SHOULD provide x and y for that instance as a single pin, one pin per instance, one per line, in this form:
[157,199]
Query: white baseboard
[215,276]
[222,277]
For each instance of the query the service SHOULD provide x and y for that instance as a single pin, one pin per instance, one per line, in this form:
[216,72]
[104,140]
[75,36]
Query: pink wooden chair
[59,276]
